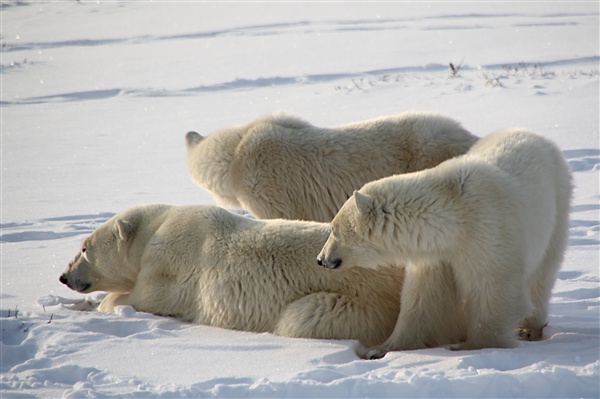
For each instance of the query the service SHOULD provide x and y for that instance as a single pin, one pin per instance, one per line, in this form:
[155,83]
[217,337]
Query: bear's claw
[530,334]
[375,353]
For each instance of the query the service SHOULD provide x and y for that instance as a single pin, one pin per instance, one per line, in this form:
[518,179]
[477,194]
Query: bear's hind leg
[330,315]
[541,282]
[304,317]
[539,288]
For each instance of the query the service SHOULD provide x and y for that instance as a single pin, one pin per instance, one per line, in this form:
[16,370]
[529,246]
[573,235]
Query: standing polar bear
[206,265]
[280,166]
[482,237]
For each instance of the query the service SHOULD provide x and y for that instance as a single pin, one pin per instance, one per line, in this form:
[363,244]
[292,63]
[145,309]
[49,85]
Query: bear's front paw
[456,347]
[374,353]
[113,300]
[84,306]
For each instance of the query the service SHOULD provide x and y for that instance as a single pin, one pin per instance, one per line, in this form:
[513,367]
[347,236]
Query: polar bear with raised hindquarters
[482,237]
[206,265]
[280,166]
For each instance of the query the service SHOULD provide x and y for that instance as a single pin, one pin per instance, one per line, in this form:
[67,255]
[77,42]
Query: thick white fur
[280,166]
[209,266]
[483,236]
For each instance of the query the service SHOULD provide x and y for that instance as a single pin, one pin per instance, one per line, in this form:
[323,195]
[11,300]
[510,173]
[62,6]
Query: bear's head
[355,236]
[103,262]
[409,217]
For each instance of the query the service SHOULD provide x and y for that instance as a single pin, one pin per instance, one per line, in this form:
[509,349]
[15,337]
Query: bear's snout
[329,263]
[74,283]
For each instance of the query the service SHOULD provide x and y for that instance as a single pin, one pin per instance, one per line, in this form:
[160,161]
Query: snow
[97,97]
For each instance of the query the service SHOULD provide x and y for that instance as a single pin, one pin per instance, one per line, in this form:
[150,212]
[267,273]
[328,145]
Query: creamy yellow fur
[280,166]
[206,265]
[482,236]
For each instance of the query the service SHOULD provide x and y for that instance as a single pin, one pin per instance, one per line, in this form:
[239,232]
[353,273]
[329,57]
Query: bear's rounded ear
[364,203]
[192,138]
[124,229]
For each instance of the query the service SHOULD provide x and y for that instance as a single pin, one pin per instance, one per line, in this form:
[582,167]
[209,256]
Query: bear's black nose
[63,279]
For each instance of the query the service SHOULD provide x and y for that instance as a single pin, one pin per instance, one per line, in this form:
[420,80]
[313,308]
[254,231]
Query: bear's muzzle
[329,263]
[76,285]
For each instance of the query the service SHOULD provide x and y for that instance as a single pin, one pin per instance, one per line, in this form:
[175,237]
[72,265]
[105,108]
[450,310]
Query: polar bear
[482,236]
[206,265]
[280,166]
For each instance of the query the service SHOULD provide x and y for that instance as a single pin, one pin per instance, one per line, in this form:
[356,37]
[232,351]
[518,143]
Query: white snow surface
[97,98]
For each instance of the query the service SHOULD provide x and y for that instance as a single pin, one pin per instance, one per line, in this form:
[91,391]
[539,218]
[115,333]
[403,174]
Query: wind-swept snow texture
[96,100]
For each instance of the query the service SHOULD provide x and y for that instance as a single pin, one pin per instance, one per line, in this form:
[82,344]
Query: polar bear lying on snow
[206,265]
[280,166]
[482,237]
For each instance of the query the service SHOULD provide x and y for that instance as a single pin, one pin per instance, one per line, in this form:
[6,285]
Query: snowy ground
[97,97]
